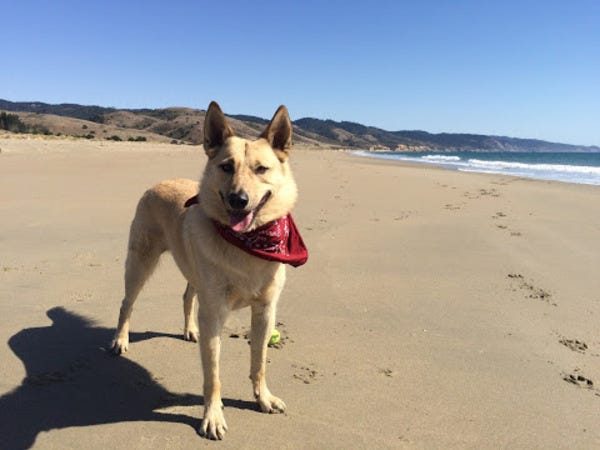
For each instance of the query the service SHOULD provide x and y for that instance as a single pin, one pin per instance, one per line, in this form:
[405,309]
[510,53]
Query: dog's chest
[221,268]
[251,282]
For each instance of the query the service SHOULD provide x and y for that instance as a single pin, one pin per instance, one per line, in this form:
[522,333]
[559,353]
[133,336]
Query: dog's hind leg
[190,330]
[142,258]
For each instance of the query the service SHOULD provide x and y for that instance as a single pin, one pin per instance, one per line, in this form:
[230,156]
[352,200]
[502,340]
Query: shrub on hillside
[11,122]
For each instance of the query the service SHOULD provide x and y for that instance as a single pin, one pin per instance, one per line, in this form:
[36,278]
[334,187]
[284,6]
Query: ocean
[581,168]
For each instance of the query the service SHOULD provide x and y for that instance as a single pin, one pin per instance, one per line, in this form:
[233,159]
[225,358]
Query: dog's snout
[238,200]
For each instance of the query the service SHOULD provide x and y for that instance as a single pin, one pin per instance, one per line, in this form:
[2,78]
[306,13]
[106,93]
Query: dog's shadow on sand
[72,381]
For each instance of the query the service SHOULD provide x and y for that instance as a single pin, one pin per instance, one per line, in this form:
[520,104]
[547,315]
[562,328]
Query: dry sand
[438,310]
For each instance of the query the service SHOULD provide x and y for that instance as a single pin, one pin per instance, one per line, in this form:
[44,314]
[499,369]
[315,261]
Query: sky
[527,69]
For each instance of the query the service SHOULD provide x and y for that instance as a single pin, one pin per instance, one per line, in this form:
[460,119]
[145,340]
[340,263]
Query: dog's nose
[238,200]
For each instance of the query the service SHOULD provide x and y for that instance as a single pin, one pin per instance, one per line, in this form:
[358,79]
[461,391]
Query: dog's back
[158,221]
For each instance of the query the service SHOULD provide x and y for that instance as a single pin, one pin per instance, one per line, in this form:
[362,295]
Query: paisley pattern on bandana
[277,241]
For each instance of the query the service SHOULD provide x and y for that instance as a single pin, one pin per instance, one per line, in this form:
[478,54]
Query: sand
[438,310]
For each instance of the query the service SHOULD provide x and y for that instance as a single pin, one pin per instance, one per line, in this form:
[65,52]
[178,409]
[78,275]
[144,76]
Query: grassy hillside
[185,125]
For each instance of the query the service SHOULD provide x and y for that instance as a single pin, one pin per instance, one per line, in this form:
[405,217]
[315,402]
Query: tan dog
[246,184]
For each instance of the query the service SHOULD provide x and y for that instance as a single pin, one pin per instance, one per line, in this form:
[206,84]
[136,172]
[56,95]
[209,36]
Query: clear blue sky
[517,68]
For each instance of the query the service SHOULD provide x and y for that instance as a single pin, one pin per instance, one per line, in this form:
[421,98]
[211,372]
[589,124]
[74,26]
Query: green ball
[275,337]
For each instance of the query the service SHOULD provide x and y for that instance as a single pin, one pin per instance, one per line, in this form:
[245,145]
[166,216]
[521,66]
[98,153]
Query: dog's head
[247,183]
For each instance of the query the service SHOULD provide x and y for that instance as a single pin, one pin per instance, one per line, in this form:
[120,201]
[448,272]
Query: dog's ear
[216,129]
[279,133]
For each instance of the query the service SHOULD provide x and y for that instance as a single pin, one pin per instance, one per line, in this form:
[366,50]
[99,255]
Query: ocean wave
[506,165]
[440,158]
[546,169]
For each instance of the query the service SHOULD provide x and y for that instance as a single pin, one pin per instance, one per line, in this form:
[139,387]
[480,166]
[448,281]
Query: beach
[438,309]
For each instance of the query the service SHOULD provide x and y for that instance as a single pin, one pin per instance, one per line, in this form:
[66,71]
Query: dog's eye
[260,170]
[227,167]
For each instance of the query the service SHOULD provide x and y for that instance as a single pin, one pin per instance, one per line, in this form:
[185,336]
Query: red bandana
[278,241]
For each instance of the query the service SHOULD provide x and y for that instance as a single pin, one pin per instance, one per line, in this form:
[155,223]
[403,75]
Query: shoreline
[433,167]
[508,164]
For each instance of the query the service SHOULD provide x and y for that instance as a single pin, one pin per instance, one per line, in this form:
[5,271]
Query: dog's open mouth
[240,221]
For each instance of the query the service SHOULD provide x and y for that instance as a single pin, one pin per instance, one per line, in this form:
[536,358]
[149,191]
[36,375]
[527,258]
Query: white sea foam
[557,172]
[505,165]
[440,158]
[430,159]
[545,171]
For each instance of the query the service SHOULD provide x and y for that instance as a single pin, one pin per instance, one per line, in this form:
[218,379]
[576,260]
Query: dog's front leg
[211,318]
[263,320]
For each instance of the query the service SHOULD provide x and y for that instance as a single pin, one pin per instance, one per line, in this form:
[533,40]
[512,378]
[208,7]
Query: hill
[184,125]
[357,135]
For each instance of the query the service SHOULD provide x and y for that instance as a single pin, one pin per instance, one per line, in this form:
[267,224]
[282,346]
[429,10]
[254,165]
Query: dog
[231,236]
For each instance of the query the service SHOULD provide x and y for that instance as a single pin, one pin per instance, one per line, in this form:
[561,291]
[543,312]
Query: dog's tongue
[239,222]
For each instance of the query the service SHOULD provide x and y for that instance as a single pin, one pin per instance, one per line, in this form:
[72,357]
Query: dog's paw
[213,424]
[191,334]
[119,345]
[271,404]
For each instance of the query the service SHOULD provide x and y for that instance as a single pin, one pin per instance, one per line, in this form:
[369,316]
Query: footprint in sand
[579,380]
[446,186]
[306,374]
[574,344]
[44,379]
[452,207]
[530,290]
[387,372]
[501,215]
[80,297]
[481,193]
[402,215]
[503,182]
[489,192]
[515,275]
